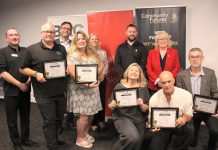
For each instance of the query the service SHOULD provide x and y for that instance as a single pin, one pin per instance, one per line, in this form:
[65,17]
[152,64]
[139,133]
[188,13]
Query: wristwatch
[35,74]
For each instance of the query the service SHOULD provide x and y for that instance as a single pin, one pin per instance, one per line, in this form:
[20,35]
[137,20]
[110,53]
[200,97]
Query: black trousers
[130,134]
[100,116]
[182,138]
[13,104]
[52,110]
[211,123]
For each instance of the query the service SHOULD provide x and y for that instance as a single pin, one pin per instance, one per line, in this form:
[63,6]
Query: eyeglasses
[161,39]
[47,32]
[66,28]
[197,57]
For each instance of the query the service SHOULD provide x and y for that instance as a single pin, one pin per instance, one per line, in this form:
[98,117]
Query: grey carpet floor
[104,139]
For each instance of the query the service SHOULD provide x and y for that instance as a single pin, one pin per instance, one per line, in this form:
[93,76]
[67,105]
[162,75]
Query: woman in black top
[130,121]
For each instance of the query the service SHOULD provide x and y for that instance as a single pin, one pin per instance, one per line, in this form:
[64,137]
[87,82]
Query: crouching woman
[130,121]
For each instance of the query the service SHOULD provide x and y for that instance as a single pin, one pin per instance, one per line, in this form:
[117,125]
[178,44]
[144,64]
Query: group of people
[20,67]
[168,87]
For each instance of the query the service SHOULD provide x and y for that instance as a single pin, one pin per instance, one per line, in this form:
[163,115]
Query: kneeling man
[171,96]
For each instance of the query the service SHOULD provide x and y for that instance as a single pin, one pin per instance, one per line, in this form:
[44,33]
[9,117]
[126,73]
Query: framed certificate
[126,97]
[54,69]
[205,104]
[163,117]
[86,73]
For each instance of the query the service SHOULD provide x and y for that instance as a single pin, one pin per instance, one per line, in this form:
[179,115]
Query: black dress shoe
[60,142]
[18,147]
[29,143]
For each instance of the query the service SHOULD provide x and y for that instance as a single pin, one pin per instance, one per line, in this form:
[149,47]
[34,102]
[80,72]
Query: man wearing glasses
[65,32]
[200,80]
[49,93]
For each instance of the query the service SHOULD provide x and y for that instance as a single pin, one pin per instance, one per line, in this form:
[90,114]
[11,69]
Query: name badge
[14,55]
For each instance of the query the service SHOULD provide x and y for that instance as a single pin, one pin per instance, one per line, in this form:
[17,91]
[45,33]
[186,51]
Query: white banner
[79,22]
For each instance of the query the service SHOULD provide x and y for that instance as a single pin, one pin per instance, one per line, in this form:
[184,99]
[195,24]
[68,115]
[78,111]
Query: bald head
[166,74]
[167,82]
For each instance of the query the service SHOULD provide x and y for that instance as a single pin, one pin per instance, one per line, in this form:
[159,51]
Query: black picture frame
[88,73]
[165,116]
[120,91]
[208,104]
[61,73]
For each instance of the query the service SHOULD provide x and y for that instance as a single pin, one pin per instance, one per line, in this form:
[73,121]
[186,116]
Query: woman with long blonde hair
[83,99]
[130,121]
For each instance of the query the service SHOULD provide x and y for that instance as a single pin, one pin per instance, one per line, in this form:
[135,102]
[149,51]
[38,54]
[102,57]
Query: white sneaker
[84,144]
[89,138]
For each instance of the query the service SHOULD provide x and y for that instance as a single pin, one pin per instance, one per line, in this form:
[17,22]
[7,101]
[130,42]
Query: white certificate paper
[126,97]
[86,73]
[205,104]
[55,69]
[164,117]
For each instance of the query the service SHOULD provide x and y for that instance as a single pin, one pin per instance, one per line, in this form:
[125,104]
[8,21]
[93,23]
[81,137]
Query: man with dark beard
[131,51]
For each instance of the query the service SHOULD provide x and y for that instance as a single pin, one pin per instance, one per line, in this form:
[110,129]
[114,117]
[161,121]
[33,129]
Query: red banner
[110,26]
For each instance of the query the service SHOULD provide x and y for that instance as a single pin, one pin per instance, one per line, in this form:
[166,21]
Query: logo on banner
[155,18]
[174,17]
[152,38]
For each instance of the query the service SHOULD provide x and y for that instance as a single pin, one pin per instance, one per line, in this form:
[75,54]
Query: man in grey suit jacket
[203,81]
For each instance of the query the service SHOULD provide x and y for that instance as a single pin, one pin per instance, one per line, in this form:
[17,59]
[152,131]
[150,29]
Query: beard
[131,38]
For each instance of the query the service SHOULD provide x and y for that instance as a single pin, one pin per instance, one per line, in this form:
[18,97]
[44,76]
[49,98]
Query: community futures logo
[174,17]
[160,18]
[155,18]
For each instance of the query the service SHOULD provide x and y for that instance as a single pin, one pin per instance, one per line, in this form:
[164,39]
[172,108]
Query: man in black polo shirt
[49,94]
[131,51]
[16,89]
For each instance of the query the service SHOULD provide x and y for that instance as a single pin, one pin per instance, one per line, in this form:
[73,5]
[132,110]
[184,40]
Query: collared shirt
[196,82]
[66,44]
[127,54]
[10,61]
[181,99]
[38,54]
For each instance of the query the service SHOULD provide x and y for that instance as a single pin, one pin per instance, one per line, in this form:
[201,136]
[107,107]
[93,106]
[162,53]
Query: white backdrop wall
[28,16]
